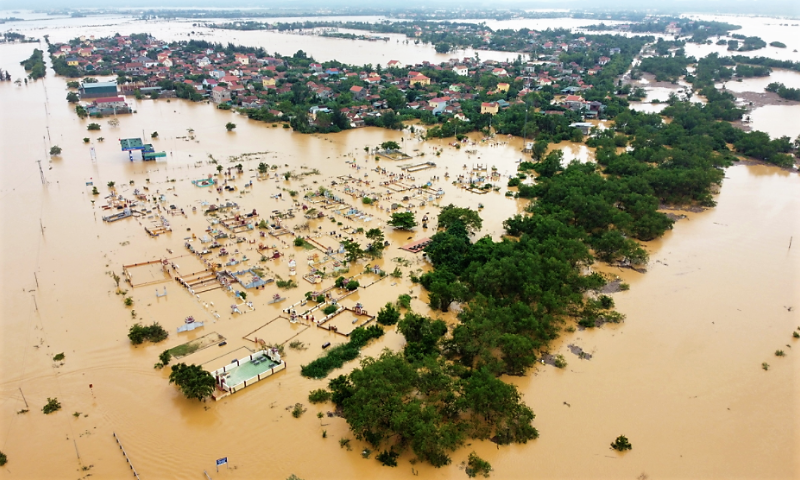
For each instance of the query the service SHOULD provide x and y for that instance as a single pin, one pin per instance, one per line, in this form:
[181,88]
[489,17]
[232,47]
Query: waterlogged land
[680,378]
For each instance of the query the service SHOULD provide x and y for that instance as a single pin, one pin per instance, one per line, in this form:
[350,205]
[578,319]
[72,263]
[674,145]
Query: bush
[388,315]
[298,410]
[93,126]
[55,150]
[366,201]
[53,405]
[153,333]
[330,309]
[404,301]
[165,357]
[319,396]
[477,466]
[336,356]
[352,285]
[621,444]
[514,182]
[58,357]
[388,458]
[559,361]
[779,353]
[85,139]
[3,459]
[285,284]
[340,282]
[299,242]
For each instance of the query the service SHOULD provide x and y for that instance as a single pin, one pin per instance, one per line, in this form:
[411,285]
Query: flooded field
[682,377]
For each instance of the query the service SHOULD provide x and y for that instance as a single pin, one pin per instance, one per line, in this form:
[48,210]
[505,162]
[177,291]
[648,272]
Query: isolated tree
[154,135]
[263,168]
[55,150]
[93,126]
[390,145]
[193,381]
[403,220]
[72,97]
[376,248]
[352,250]
[230,126]
[621,444]
[388,315]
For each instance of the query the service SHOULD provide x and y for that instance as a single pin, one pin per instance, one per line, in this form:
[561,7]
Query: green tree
[73,97]
[93,126]
[621,444]
[390,145]
[230,126]
[353,251]
[375,248]
[388,315]
[452,214]
[403,220]
[193,380]
[263,168]
[55,150]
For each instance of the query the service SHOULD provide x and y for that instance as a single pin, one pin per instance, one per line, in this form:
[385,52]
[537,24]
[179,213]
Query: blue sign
[222,461]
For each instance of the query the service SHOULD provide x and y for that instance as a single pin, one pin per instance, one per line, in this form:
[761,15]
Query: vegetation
[298,410]
[783,91]
[193,380]
[777,44]
[336,356]
[93,126]
[388,315]
[53,405]
[477,466]
[3,459]
[621,444]
[155,333]
[35,65]
[779,353]
[58,357]
[469,218]
[765,365]
[73,97]
[55,150]
[230,126]
[319,396]
[404,301]
[402,220]
[330,309]
[285,283]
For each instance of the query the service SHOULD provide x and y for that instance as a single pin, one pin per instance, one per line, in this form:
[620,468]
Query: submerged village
[400,288]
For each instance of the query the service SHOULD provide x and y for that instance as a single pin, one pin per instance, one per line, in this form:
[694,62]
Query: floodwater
[682,377]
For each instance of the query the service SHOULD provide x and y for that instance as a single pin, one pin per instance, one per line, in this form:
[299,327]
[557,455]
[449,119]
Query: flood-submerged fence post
[127,459]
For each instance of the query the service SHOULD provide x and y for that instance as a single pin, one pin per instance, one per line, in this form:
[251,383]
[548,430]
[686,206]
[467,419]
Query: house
[461,70]
[419,79]
[502,87]
[110,102]
[393,64]
[220,95]
[499,72]
[614,51]
[358,92]
[332,71]
[268,82]
[373,78]
[316,67]
[603,61]
[73,61]
[490,107]
[574,102]
[243,59]
[438,104]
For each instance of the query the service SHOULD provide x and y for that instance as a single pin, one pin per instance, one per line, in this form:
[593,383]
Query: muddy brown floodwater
[681,378]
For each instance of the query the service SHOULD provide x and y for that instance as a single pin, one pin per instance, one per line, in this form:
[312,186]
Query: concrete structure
[99,90]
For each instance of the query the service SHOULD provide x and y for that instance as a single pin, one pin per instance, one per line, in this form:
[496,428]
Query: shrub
[765,365]
[404,301]
[53,405]
[155,333]
[366,201]
[298,410]
[59,357]
[55,150]
[85,139]
[352,285]
[336,356]
[621,444]
[559,361]
[165,357]
[779,353]
[477,466]
[388,315]
[285,284]
[299,242]
[340,282]
[796,335]
[128,301]
[330,309]
[319,396]
[93,126]
[388,458]
[344,443]
[514,182]
[3,459]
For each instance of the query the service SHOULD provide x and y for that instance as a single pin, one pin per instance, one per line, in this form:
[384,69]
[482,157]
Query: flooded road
[682,377]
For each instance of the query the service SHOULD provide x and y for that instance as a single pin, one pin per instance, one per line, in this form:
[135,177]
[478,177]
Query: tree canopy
[193,380]
[402,220]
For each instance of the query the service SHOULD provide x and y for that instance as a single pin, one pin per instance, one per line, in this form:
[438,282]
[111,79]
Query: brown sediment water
[682,377]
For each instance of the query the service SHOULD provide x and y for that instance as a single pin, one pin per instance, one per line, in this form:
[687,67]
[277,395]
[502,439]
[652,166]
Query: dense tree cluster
[34,64]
